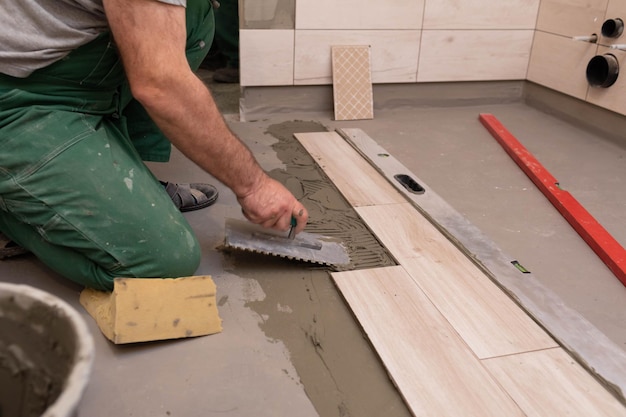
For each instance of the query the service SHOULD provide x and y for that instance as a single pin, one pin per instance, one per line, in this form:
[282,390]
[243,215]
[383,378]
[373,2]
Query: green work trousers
[73,186]
[227,31]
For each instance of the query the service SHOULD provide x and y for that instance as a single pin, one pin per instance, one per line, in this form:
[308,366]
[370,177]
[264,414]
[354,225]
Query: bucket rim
[76,381]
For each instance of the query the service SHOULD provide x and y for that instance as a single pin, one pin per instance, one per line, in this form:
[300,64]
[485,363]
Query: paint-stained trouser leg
[227,31]
[73,188]
[85,204]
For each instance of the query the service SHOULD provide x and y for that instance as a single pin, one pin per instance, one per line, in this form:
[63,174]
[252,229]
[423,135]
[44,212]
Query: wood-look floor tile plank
[552,383]
[429,325]
[435,371]
[594,350]
[355,178]
[486,318]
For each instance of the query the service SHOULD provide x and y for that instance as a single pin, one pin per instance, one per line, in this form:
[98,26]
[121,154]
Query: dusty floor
[290,346]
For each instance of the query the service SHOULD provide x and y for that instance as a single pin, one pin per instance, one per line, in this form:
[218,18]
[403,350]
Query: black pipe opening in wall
[602,70]
[613,28]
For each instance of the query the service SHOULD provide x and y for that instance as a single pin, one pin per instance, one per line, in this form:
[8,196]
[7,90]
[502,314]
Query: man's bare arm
[151,38]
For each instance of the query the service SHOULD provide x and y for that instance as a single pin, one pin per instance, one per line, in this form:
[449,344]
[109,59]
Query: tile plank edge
[581,339]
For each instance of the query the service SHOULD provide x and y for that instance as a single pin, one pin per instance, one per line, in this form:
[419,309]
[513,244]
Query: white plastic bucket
[46,353]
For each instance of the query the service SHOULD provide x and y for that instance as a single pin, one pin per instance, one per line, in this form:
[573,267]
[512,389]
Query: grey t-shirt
[37,33]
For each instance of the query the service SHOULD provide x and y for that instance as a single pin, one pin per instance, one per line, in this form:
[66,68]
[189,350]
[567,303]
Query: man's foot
[226,75]
[189,197]
[9,249]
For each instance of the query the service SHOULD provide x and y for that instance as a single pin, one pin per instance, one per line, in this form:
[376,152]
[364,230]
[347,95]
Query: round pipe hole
[613,28]
[602,70]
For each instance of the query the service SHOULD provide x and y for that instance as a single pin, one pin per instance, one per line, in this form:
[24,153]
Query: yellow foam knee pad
[147,309]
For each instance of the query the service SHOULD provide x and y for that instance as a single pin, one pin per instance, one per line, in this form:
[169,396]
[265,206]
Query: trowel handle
[292,231]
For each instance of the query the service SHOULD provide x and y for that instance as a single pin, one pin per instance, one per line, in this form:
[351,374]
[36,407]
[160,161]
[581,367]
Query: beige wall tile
[394,54]
[616,9]
[268,14]
[611,98]
[486,41]
[266,57]
[550,383]
[571,17]
[480,14]
[359,14]
[474,55]
[559,63]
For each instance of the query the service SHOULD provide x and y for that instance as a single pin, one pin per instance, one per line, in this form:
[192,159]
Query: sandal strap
[188,197]
[9,249]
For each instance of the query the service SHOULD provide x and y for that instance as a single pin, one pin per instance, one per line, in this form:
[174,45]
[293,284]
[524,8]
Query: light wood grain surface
[571,17]
[355,14]
[551,383]
[355,178]
[394,54]
[437,322]
[434,370]
[480,14]
[560,63]
[255,48]
[473,55]
[486,318]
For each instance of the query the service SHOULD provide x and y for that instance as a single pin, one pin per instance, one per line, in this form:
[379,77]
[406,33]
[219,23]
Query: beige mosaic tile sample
[352,82]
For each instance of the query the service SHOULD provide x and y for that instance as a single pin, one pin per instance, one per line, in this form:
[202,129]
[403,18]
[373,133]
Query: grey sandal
[9,249]
[189,197]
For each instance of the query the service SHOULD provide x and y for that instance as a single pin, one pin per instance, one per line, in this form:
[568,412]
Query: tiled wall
[560,63]
[287,42]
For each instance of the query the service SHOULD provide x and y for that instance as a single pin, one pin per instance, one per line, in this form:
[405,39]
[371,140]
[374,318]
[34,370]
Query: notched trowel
[304,246]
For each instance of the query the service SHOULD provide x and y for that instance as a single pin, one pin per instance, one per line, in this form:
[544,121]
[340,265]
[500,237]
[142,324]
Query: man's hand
[151,37]
[271,205]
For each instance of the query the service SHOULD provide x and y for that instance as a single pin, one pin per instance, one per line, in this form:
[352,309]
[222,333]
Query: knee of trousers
[176,253]
[177,257]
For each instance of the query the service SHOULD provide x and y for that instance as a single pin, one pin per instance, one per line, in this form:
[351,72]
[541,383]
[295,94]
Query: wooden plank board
[551,383]
[355,178]
[491,327]
[387,304]
[433,369]
[593,349]
[386,165]
[485,317]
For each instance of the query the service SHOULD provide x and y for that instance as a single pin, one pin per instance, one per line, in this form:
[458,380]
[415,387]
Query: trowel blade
[305,246]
